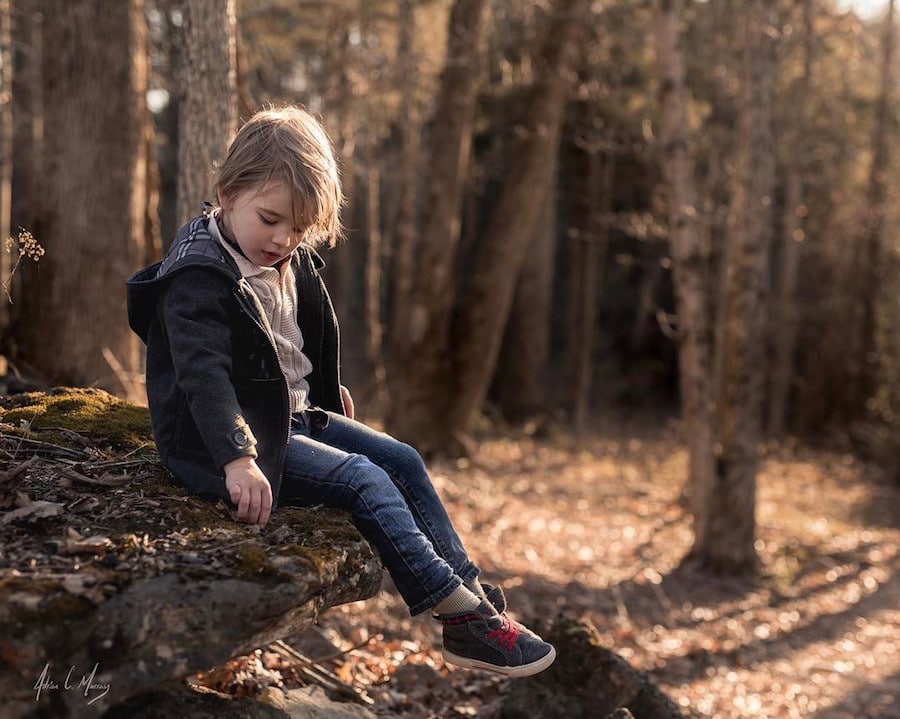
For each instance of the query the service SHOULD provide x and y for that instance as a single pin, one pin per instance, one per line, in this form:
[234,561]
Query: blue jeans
[337,462]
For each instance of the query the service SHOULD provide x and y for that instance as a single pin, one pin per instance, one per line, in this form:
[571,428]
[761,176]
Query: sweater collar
[248,269]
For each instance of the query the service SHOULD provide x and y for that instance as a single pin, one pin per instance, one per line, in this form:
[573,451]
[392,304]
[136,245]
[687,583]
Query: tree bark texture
[478,328]
[422,391]
[690,256]
[208,107]
[6,149]
[404,224]
[864,363]
[27,119]
[374,283]
[784,306]
[520,376]
[593,251]
[725,533]
[92,194]
[347,262]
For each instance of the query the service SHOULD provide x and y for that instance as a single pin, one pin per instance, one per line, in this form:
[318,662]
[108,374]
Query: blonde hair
[287,145]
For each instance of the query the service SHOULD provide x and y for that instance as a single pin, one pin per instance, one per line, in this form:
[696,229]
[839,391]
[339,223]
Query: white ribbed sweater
[275,293]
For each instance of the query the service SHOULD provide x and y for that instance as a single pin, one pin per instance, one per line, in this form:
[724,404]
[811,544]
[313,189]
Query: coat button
[240,438]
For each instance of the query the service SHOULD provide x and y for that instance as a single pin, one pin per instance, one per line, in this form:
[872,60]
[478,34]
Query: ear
[224,202]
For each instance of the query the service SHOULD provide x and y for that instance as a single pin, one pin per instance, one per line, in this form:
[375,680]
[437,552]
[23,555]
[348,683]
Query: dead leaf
[280,535]
[75,543]
[32,511]
[16,470]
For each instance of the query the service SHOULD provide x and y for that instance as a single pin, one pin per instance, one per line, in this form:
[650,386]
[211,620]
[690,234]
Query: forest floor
[595,530]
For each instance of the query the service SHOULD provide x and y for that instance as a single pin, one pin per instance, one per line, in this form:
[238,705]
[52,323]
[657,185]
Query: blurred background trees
[550,206]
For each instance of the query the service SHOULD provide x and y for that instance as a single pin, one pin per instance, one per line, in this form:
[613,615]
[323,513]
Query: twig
[73,434]
[131,381]
[342,652]
[54,447]
[125,463]
[104,481]
[310,669]
[19,468]
[621,608]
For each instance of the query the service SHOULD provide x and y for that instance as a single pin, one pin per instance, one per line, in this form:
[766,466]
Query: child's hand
[249,490]
[348,402]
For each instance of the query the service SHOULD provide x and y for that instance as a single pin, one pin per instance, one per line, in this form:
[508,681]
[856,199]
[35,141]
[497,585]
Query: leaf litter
[598,530]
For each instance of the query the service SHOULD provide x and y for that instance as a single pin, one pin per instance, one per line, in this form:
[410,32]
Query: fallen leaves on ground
[598,531]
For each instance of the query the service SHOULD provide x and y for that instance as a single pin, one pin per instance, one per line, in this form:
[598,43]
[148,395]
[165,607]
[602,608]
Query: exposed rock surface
[587,681]
[202,703]
[114,581]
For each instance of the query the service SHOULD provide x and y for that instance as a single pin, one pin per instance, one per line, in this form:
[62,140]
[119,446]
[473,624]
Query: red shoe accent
[506,634]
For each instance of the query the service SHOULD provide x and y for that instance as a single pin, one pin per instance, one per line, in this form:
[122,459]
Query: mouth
[271,256]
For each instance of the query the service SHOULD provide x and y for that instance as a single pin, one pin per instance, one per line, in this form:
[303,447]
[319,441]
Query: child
[244,391]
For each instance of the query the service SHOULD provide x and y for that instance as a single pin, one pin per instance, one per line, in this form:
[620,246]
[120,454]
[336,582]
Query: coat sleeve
[196,312]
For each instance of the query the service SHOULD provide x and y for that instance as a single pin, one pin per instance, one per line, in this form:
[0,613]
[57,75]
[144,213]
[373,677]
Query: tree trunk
[520,378]
[92,194]
[864,363]
[410,151]
[478,330]
[593,252]
[374,325]
[27,121]
[347,262]
[725,536]
[208,107]
[421,393]
[784,311]
[691,256]
[6,150]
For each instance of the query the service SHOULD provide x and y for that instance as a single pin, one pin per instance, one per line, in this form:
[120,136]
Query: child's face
[262,223]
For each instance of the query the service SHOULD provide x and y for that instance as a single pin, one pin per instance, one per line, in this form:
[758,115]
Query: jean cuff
[437,597]
[469,574]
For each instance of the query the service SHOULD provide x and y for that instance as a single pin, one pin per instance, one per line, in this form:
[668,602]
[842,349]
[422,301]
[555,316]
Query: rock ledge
[114,582]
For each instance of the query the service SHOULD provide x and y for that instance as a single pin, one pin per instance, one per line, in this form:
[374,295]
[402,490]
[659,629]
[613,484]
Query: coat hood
[194,246]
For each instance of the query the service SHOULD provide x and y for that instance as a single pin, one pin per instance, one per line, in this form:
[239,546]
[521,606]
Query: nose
[283,240]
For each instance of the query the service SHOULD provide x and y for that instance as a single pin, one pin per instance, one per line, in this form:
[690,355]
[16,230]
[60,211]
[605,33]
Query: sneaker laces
[506,634]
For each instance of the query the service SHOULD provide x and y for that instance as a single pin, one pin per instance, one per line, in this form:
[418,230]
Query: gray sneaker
[484,639]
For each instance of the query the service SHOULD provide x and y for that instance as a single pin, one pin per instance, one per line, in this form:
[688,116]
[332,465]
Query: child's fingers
[266,506]
[244,505]
[253,497]
[260,504]
[255,505]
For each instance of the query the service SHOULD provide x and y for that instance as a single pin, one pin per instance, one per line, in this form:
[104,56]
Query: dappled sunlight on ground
[597,531]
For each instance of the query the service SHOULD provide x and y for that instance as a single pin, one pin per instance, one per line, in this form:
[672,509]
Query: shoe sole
[523,670]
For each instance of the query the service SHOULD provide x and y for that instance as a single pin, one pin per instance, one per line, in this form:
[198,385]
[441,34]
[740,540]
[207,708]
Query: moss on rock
[86,411]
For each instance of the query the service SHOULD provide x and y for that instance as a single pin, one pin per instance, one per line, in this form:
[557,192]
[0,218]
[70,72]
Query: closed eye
[267,221]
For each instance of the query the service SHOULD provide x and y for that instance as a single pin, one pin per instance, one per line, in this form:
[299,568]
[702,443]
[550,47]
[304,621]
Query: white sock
[477,589]
[462,600]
